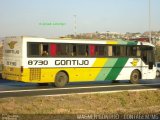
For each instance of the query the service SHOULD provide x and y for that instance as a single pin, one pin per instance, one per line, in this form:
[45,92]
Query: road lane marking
[70,88]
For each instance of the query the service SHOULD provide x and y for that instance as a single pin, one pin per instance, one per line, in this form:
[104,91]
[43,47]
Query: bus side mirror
[150,65]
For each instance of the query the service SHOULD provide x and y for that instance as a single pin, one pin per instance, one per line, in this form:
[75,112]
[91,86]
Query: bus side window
[110,53]
[100,50]
[53,49]
[138,52]
[122,51]
[33,49]
[118,50]
[63,49]
[74,50]
[92,50]
[44,49]
[106,50]
[82,50]
[132,51]
[114,50]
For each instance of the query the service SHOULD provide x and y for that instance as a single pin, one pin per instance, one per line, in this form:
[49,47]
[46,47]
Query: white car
[158,69]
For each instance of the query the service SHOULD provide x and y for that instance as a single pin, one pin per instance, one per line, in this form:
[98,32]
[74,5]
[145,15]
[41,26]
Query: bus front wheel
[135,76]
[157,73]
[61,79]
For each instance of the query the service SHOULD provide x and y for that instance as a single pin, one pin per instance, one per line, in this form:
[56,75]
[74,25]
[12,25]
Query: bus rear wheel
[135,76]
[61,79]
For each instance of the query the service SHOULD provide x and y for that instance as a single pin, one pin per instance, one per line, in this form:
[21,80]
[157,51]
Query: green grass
[102,103]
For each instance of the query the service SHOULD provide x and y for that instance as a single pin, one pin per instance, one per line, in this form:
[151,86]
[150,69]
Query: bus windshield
[147,54]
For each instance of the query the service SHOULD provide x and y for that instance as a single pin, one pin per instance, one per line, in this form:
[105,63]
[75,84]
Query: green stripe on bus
[106,69]
[132,43]
[113,74]
[126,42]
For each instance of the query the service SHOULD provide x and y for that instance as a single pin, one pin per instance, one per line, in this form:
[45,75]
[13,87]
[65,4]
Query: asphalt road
[19,89]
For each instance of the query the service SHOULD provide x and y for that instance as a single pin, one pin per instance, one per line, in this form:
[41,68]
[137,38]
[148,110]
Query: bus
[60,61]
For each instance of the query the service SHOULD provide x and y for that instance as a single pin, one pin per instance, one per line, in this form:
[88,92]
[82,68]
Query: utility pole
[75,25]
[149,17]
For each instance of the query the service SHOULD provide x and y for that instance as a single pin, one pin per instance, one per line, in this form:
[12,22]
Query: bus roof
[82,41]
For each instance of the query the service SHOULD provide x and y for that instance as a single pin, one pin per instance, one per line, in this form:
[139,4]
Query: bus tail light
[21,69]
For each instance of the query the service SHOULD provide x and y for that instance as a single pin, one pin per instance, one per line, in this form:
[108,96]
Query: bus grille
[35,74]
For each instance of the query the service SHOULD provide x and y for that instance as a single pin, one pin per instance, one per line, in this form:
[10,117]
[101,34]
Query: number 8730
[37,62]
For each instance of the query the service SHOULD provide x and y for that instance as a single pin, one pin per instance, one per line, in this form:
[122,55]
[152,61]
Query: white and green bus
[59,61]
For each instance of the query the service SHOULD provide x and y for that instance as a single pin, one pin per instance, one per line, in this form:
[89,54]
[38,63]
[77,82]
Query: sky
[53,18]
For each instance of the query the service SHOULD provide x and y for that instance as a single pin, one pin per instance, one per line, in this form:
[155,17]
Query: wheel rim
[135,77]
[157,73]
[61,79]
